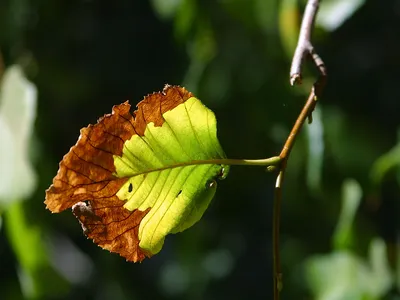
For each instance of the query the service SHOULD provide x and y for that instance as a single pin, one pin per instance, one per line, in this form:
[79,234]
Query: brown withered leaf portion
[86,181]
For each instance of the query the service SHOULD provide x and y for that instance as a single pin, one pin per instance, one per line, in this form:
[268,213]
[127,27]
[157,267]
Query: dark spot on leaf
[130,188]
[180,192]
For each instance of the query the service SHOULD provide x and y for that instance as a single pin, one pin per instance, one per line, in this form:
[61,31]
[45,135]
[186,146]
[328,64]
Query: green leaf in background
[166,8]
[333,13]
[17,115]
[27,241]
[351,198]
[17,182]
[289,20]
[342,275]
[316,147]
[185,13]
[386,163]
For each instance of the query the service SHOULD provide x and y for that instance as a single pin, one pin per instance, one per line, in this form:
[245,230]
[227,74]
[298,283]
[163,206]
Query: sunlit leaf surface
[133,179]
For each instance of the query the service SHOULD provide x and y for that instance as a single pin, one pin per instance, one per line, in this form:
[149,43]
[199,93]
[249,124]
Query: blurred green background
[341,207]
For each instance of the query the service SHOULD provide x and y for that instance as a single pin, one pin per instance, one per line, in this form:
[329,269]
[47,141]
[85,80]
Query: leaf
[315,156]
[344,275]
[131,180]
[333,13]
[35,270]
[17,115]
[386,163]
[351,198]
[166,8]
[289,20]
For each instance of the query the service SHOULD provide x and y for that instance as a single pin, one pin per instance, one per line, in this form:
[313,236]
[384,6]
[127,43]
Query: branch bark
[304,49]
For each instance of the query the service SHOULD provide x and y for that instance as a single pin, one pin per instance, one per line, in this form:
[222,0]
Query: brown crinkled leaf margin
[86,178]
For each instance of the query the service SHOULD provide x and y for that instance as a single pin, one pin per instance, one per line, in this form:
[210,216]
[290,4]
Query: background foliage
[340,214]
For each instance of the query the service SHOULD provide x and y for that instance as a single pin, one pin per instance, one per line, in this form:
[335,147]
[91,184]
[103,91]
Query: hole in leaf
[83,209]
[180,192]
[211,184]
[130,188]
[221,175]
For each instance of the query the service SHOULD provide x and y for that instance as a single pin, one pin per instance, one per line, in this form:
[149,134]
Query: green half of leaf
[161,176]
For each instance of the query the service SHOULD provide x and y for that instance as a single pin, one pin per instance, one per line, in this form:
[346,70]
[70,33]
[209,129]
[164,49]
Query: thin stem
[271,161]
[304,114]
[304,49]
[275,235]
